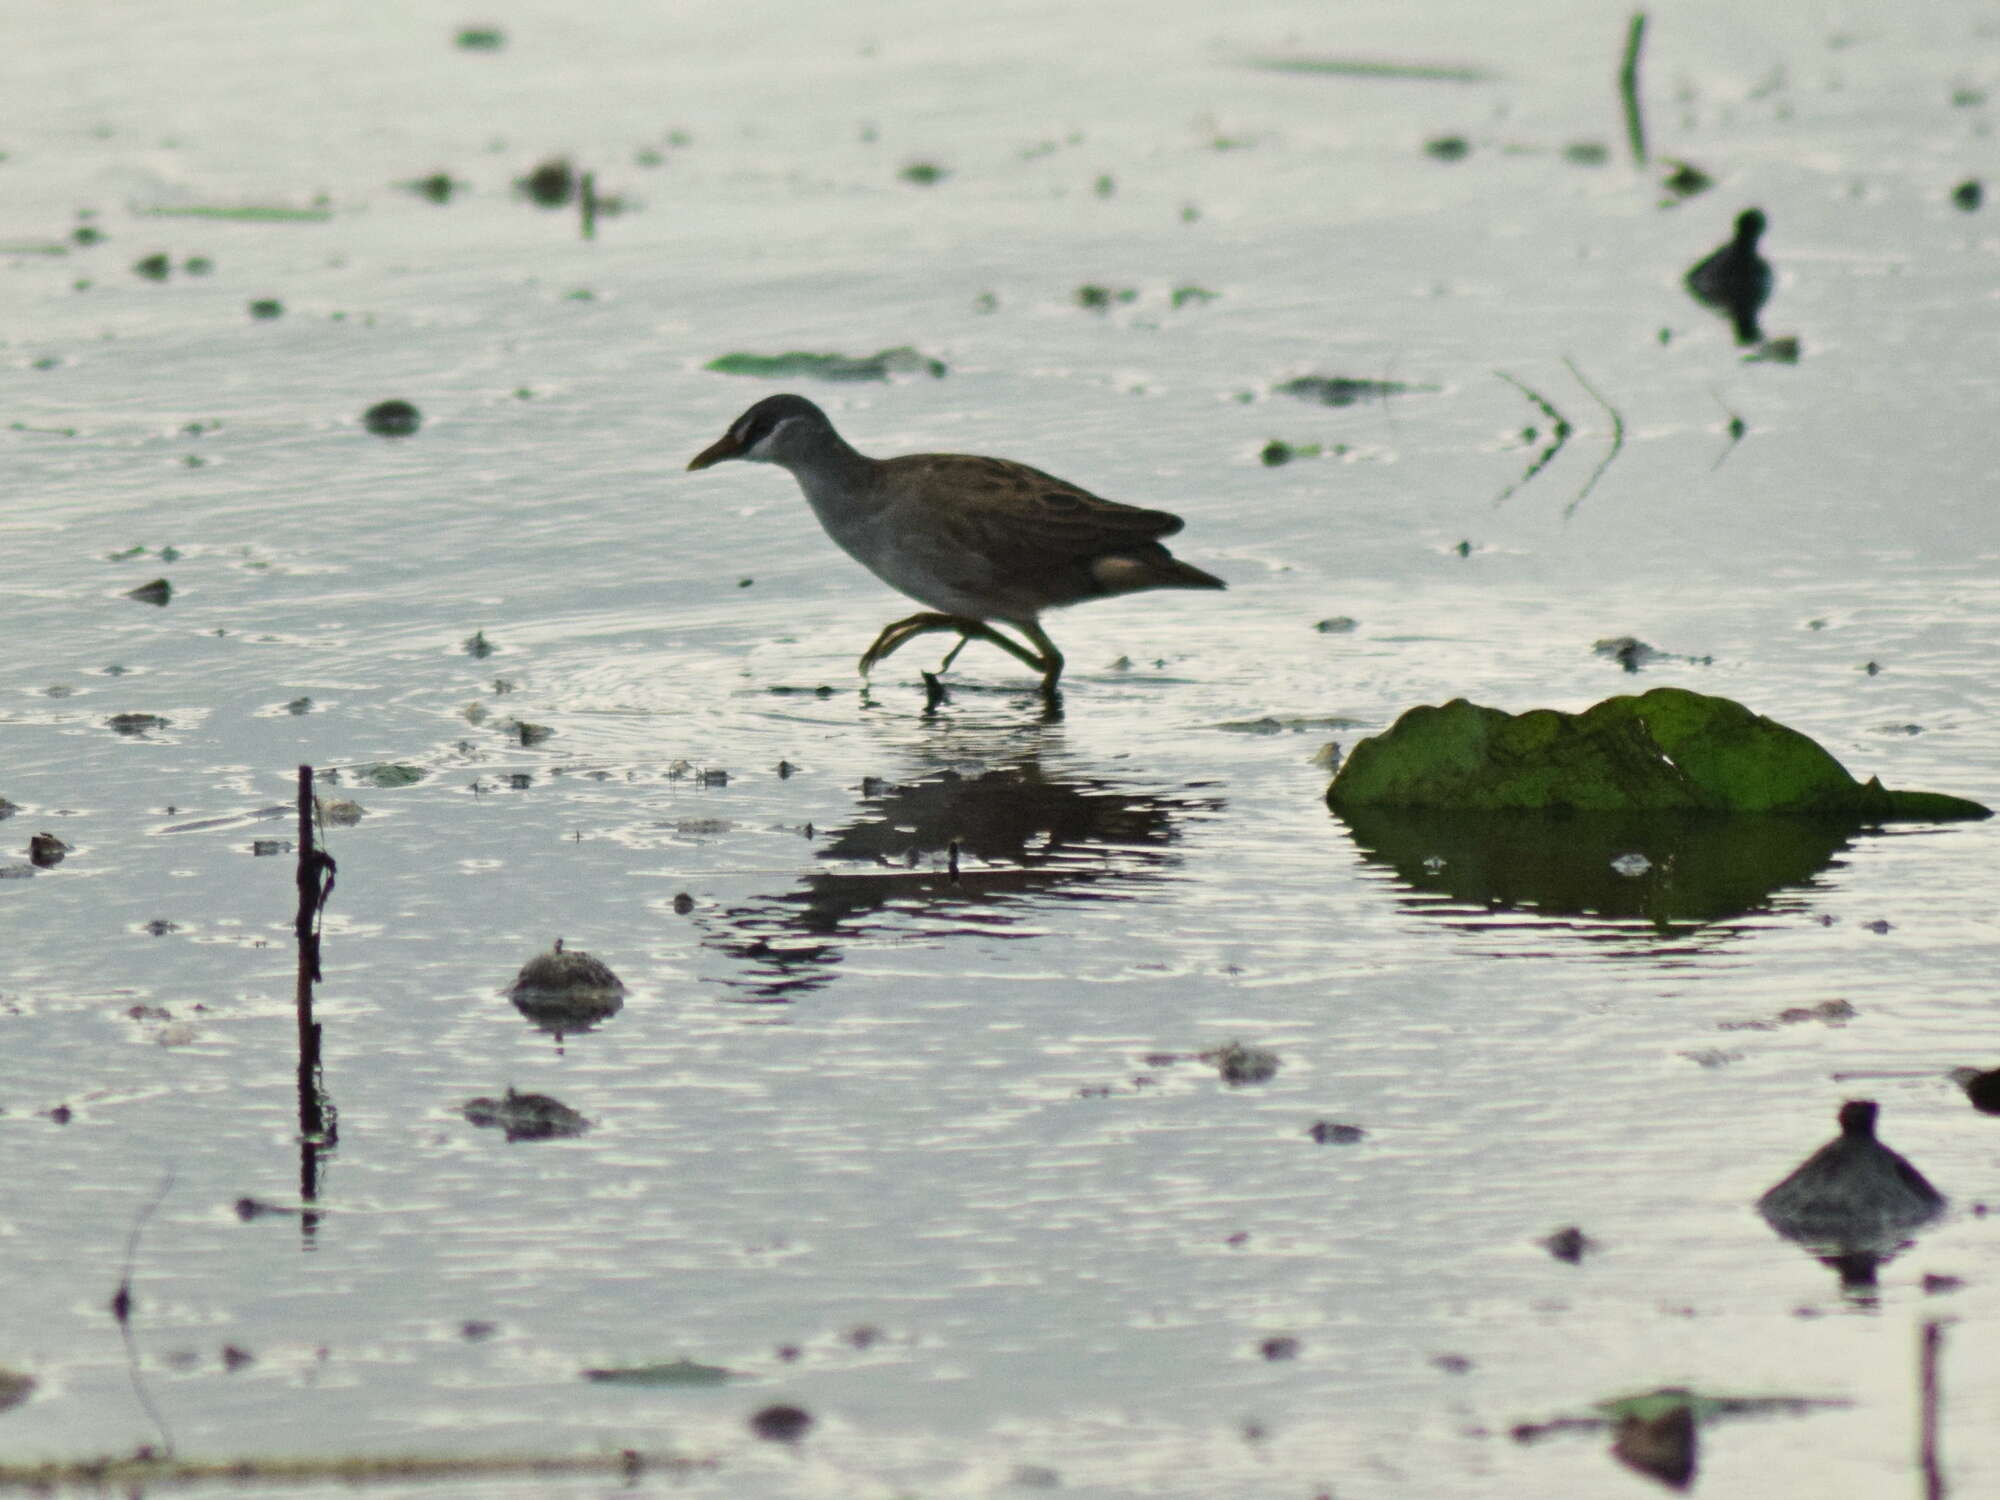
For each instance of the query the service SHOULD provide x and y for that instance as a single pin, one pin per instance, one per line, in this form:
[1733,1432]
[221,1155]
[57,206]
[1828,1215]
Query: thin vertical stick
[315,882]
[587,200]
[1628,88]
[1927,1386]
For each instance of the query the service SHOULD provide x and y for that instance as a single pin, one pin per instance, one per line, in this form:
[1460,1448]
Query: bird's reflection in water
[954,853]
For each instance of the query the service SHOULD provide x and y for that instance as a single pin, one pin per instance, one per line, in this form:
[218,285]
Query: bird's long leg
[1051,664]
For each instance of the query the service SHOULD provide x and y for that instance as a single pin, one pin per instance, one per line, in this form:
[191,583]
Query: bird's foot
[929,622]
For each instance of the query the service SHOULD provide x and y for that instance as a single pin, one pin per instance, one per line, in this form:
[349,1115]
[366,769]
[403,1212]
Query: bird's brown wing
[1016,517]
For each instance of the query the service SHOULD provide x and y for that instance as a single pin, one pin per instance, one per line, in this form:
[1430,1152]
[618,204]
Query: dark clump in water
[1735,279]
[1239,1064]
[551,184]
[781,1424]
[266,308]
[159,591]
[154,267]
[1854,1193]
[566,988]
[526,1117]
[392,419]
[1662,1447]
[1968,195]
[1569,1245]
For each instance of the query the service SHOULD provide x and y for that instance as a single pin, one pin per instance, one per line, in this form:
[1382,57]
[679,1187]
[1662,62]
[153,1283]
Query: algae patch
[1669,750]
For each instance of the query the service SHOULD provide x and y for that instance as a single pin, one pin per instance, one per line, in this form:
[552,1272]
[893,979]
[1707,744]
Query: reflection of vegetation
[1688,867]
[948,855]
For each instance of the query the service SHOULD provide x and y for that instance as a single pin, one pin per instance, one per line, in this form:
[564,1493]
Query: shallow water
[847,1092]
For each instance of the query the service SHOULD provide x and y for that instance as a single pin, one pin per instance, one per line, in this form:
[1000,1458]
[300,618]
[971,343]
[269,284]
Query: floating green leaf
[239,213]
[878,366]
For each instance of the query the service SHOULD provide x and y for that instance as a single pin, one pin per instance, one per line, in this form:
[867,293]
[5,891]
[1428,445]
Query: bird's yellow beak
[725,446]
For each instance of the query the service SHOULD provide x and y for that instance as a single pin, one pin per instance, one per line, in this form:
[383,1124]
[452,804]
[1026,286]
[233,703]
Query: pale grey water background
[902,1144]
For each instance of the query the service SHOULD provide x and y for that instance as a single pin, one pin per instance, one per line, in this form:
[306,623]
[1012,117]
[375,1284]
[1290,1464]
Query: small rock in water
[781,1424]
[1631,866]
[45,851]
[566,987]
[1852,1192]
[1569,1244]
[392,419]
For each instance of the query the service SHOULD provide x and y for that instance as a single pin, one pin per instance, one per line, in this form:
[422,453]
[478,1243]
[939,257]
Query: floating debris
[882,365]
[1735,280]
[384,773]
[526,1117]
[155,267]
[781,1424]
[1277,453]
[1685,180]
[14,1388]
[238,213]
[136,723]
[264,309]
[1628,651]
[438,187]
[480,39]
[1569,1245]
[1780,351]
[924,173]
[158,592]
[1239,1064]
[392,418]
[1278,1347]
[1363,67]
[1968,195]
[1336,625]
[679,1372]
[1854,1193]
[1448,148]
[1095,298]
[551,184]
[1327,1133]
[1345,390]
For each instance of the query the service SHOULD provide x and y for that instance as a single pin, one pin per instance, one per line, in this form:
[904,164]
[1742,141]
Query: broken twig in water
[133,1474]
[1558,426]
[121,1312]
[1628,88]
[1617,438]
[1736,430]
